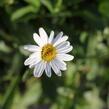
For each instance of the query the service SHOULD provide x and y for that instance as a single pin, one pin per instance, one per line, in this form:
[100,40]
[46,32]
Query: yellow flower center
[48,52]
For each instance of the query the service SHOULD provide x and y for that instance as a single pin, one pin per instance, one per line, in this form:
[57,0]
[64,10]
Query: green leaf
[64,91]
[104,8]
[7,101]
[4,47]
[48,5]
[31,95]
[70,74]
[23,11]
[83,36]
[35,3]
[58,6]
[27,74]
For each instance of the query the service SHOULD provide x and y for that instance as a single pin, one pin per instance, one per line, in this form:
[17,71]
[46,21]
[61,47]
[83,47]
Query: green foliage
[104,8]
[85,84]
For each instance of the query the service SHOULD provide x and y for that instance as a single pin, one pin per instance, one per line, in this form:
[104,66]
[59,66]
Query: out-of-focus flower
[49,53]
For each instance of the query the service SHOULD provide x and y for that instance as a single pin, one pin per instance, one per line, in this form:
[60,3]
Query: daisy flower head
[49,54]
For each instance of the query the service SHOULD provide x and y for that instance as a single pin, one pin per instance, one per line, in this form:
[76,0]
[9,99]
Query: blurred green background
[85,85]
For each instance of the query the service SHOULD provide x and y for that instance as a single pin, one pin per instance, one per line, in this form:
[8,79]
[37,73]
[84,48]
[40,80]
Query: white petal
[37,39]
[48,70]
[65,49]
[63,44]
[34,63]
[51,37]
[39,69]
[28,61]
[58,37]
[32,48]
[65,57]
[31,60]
[43,35]
[64,38]
[55,68]
[36,55]
[60,64]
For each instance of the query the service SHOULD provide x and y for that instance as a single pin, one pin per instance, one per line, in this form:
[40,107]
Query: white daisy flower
[49,53]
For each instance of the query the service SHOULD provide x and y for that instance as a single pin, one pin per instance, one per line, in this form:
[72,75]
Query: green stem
[10,93]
